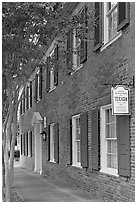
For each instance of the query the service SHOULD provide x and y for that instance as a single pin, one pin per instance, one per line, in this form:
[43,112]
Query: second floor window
[52,70]
[38,84]
[110,21]
[77,43]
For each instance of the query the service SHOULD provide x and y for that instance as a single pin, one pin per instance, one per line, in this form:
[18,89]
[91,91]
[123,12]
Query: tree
[27,29]
[25,32]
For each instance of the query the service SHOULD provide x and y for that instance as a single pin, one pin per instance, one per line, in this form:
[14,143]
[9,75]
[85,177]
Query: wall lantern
[44,135]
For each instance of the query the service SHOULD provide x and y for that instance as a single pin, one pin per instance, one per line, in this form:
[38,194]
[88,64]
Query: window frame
[29,143]
[77,47]
[30,94]
[75,142]
[106,40]
[103,145]
[76,56]
[52,143]
[38,96]
[52,86]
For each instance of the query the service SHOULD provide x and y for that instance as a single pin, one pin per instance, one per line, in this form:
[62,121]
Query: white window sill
[110,172]
[52,161]
[77,166]
[52,89]
[111,41]
[75,70]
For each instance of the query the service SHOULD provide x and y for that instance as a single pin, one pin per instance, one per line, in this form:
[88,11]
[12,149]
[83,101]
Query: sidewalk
[35,188]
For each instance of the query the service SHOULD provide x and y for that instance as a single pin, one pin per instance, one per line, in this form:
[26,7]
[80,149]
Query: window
[27,97]
[109,155]
[30,95]
[52,70]
[21,144]
[26,148]
[21,106]
[24,143]
[76,53]
[30,144]
[53,58]
[77,43]
[38,85]
[52,78]
[76,141]
[23,101]
[110,142]
[110,20]
[52,143]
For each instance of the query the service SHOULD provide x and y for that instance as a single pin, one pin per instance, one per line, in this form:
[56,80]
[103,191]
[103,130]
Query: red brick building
[85,144]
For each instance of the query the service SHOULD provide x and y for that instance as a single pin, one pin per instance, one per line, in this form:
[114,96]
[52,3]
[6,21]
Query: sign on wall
[120,100]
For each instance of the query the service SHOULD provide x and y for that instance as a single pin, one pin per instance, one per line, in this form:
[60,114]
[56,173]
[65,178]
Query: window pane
[113,118]
[77,128]
[115,22]
[77,122]
[51,78]
[109,161]
[114,147]
[52,142]
[111,141]
[109,147]
[107,116]
[114,161]
[78,157]
[78,146]
[112,23]
[107,131]
[113,130]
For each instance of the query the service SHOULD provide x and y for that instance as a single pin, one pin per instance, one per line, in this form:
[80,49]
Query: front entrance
[37,123]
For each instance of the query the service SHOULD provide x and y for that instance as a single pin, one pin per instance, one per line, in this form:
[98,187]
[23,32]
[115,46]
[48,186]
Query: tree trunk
[3,173]
[6,160]
[11,131]
[14,133]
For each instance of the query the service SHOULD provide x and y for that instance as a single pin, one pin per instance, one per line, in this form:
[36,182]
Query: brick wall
[84,91]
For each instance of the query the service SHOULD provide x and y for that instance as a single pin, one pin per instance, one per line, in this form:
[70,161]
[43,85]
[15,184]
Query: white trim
[29,150]
[28,143]
[52,89]
[103,154]
[75,56]
[74,71]
[110,173]
[52,143]
[74,148]
[106,40]
[38,147]
[111,41]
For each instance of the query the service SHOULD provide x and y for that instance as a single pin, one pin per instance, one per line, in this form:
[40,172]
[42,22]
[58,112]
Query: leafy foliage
[26,30]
